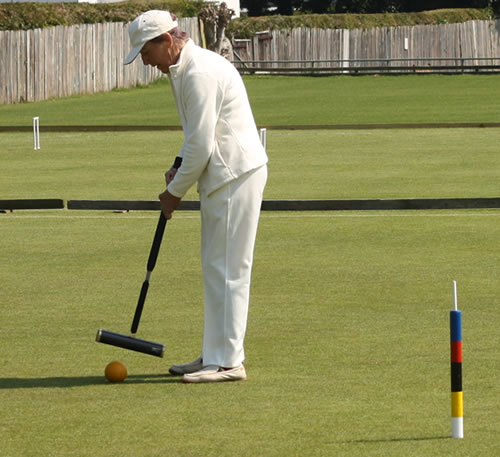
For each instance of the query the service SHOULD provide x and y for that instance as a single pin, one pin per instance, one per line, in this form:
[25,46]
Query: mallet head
[129,342]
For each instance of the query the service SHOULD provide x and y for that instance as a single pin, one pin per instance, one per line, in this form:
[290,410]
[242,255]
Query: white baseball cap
[145,27]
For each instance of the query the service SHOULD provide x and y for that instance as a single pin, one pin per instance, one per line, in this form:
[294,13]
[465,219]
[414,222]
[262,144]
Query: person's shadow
[82,381]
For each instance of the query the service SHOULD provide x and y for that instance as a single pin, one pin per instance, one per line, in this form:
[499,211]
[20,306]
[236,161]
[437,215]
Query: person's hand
[169,175]
[169,203]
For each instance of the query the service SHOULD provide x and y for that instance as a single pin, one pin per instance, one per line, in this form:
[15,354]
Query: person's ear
[168,39]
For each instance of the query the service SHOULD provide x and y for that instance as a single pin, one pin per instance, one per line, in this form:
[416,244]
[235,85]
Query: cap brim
[134,52]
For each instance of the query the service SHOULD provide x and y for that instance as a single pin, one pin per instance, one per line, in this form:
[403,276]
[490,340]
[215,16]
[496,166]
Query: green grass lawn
[347,345]
[348,334]
[324,164]
[281,100]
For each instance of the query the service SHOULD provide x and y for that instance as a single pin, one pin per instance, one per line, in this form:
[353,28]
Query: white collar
[176,69]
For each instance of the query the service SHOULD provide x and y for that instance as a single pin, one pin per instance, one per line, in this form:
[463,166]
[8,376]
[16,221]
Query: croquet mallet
[131,342]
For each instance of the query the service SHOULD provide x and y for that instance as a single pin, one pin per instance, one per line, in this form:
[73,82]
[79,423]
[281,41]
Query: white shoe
[191,367]
[214,373]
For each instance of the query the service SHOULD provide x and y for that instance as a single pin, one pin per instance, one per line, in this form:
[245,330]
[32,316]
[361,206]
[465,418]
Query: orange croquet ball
[115,372]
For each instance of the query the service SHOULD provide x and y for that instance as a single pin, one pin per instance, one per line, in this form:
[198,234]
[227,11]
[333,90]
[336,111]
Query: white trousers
[229,219]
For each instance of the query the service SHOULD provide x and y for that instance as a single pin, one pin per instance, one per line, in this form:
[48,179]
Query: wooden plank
[127,205]
[304,205]
[380,205]
[145,128]
[8,75]
[120,54]
[21,65]
[267,205]
[46,203]
[3,67]
[495,38]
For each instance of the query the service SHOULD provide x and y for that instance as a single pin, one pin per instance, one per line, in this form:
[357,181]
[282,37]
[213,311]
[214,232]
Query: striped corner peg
[457,394]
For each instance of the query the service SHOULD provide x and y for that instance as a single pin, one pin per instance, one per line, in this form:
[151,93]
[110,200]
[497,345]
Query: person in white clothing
[222,152]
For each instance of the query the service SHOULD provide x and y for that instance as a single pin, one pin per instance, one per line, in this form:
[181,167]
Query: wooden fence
[62,61]
[391,46]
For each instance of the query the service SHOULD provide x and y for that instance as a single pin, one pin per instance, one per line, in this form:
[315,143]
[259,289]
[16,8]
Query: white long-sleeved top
[221,141]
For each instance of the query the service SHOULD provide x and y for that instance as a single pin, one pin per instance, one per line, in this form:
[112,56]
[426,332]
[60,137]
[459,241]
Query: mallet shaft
[153,255]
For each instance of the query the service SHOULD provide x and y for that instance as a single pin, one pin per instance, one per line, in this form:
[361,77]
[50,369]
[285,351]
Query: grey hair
[179,34]
[176,33]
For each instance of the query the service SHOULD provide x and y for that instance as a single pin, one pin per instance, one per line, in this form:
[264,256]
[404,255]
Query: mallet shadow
[82,381]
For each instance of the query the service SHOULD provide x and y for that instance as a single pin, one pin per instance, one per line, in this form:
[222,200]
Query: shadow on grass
[395,440]
[83,381]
